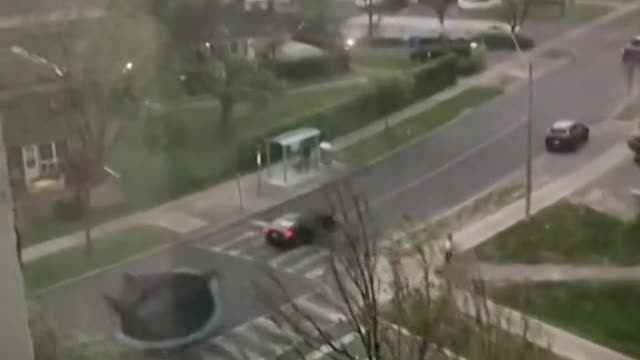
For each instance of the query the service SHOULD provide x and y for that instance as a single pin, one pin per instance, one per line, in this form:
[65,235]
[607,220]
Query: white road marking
[309,260]
[324,311]
[271,327]
[315,273]
[228,346]
[290,255]
[225,245]
[449,164]
[326,349]
[261,224]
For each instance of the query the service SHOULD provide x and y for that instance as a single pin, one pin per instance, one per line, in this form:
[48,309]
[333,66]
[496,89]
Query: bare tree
[515,13]
[396,305]
[105,70]
[232,79]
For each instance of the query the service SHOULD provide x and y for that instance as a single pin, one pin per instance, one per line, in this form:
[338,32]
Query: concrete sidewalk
[547,272]
[220,205]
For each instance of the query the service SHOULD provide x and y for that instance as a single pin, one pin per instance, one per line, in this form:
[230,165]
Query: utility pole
[529,180]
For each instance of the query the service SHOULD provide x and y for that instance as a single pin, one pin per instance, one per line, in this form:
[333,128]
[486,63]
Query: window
[29,156]
[46,151]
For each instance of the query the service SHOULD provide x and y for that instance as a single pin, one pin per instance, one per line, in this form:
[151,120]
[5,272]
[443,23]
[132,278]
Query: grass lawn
[576,14]
[49,270]
[380,61]
[604,312]
[566,233]
[417,126]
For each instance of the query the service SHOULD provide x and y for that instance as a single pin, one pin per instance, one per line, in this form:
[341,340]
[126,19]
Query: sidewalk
[218,206]
[548,272]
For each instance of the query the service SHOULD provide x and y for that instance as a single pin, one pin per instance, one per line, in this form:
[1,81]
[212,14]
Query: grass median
[603,312]
[417,126]
[566,233]
[49,270]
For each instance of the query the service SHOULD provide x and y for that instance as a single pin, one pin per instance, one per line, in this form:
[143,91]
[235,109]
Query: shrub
[391,94]
[430,78]
[320,66]
[474,64]
[501,41]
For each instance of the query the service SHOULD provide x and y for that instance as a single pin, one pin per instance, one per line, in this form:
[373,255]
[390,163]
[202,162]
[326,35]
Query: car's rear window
[558,131]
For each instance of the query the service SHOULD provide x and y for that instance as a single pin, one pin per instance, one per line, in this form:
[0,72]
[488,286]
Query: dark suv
[631,52]
[566,135]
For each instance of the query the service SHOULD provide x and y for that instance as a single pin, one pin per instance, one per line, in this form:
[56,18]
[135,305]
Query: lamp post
[529,141]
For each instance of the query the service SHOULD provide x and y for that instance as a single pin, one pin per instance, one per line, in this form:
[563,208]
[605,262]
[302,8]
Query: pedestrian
[448,248]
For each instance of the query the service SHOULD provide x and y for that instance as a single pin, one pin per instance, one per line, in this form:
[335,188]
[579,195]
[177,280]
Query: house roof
[32,119]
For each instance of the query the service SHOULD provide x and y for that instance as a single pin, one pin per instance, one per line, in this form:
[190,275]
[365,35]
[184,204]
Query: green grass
[575,15]
[49,270]
[566,233]
[417,126]
[604,312]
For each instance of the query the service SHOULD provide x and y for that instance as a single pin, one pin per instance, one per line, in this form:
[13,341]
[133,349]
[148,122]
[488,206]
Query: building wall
[15,339]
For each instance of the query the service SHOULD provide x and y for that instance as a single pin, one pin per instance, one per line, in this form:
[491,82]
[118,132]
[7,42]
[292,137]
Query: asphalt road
[454,163]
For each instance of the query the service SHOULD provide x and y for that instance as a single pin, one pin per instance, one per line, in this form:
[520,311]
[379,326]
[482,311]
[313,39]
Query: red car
[293,229]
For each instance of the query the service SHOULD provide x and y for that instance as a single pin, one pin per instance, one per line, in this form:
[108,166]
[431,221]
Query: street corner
[177,221]
[616,193]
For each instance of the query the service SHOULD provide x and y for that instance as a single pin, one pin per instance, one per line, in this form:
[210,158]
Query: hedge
[383,97]
[500,41]
[320,66]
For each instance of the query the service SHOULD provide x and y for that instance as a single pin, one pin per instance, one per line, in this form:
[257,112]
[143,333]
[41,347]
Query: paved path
[550,272]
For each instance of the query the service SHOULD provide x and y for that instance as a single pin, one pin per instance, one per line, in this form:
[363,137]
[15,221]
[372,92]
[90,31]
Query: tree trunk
[370,18]
[86,203]
[226,107]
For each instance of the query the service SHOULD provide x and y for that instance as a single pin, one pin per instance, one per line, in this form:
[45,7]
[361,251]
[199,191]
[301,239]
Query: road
[454,163]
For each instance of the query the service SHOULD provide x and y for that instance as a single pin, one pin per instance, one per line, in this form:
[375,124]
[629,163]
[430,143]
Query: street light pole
[529,180]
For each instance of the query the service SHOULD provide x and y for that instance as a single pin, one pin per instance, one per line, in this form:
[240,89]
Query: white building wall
[15,339]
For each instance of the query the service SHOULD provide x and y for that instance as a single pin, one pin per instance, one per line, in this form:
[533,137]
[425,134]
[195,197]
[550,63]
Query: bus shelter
[298,151]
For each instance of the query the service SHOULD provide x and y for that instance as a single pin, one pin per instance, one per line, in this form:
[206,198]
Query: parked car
[566,135]
[631,52]
[293,229]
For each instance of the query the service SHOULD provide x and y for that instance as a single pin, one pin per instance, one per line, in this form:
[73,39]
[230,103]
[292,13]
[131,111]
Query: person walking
[448,249]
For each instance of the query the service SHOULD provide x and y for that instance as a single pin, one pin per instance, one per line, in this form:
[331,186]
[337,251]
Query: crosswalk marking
[315,273]
[290,255]
[242,238]
[329,314]
[259,224]
[309,260]
[271,327]
[326,349]
[228,346]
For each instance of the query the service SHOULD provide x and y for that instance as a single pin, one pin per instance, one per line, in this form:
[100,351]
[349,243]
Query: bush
[500,41]
[430,78]
[68,209]
[383,98]
[321,66]
[474,64]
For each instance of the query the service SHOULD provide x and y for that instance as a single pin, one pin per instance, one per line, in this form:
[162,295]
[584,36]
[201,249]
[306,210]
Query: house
[37,140]
[249,33]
